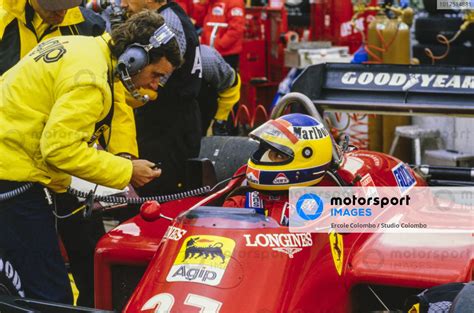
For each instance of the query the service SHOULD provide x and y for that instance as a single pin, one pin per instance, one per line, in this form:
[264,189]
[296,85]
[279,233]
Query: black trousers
[28,239]
[80,236]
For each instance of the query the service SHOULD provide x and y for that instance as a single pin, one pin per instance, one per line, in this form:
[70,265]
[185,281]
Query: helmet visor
[276,130]
[274,137]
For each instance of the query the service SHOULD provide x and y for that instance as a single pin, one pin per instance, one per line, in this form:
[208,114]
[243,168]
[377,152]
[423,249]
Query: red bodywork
[259,278]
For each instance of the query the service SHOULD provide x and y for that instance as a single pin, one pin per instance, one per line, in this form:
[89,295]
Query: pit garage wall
[456,133]
[464,138]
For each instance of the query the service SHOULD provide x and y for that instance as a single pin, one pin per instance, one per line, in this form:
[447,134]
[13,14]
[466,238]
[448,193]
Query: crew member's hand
[219,128]
[143,172]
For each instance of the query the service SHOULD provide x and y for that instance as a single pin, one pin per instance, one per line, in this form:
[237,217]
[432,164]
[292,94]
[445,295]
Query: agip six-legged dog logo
[202,259]
[211,249]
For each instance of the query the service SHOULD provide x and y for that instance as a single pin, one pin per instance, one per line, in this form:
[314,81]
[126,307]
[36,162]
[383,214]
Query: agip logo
[202,259]
[309,206]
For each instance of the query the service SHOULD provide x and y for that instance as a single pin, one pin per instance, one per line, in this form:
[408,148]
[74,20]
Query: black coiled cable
[16,192]
[140,200]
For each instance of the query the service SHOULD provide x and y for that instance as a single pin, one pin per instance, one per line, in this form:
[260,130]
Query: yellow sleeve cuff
[227,99]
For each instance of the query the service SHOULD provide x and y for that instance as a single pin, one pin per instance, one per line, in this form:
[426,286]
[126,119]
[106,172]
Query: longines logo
[285,243]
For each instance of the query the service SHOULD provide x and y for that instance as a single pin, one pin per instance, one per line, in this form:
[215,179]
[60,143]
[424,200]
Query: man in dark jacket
[220,91]
[168,128]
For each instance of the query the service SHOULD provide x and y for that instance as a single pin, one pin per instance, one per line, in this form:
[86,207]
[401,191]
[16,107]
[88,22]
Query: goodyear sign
[406,81]
[202,259]
[388,88]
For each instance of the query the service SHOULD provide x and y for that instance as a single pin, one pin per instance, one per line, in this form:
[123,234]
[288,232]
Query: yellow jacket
[14,14]
[50,103]
[124,135]
[227,98]
[21,39]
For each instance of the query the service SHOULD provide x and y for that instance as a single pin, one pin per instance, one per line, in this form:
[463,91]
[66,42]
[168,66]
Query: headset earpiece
[135,58]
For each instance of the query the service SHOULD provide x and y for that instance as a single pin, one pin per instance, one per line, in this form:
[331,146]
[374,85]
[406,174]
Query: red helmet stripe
[285,131]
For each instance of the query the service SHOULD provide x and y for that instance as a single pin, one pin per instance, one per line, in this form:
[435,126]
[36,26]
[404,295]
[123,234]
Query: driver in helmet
[295,150]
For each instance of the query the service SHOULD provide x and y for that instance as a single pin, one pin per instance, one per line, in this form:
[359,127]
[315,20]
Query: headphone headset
[136,57]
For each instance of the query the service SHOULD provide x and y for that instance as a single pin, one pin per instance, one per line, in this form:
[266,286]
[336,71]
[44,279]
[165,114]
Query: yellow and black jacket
[50,103]
[21,29]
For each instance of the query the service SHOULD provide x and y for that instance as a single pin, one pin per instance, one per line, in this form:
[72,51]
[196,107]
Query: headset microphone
[135,58]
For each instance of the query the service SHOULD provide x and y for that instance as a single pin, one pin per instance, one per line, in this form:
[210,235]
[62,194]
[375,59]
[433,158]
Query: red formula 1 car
[193,255]
[208,258]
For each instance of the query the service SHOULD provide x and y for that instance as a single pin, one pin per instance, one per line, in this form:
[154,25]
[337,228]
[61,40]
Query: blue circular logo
[308,203]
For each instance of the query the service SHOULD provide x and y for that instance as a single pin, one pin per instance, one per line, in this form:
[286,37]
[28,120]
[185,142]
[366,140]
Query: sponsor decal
[218,11]
[174,233]
[9,273]
[347,28]
[50,51]
[199,274]
[374,159]
[369,186]
[202,259]
[407,81]
[254,201]
[367,181]
[253,175]
[281,179]
[286,243]
[290,251]
[237,12]
[404,178]
[311,132]
[353,164]
[337,250]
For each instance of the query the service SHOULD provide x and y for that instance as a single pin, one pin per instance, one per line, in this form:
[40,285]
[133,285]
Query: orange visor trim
[285,131]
